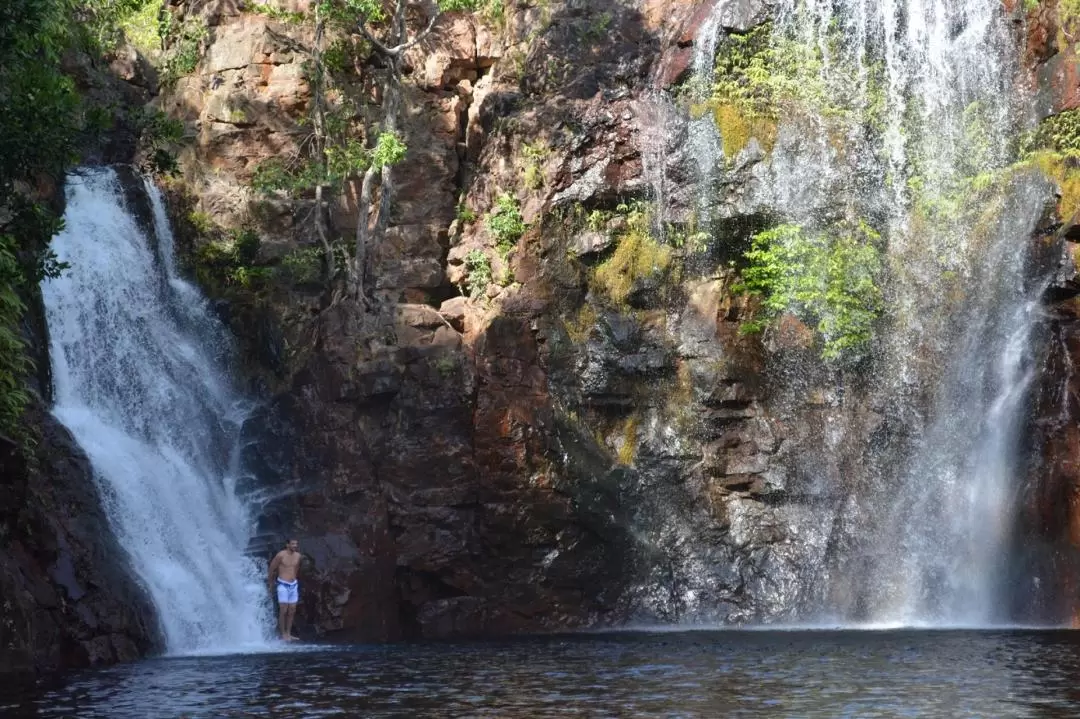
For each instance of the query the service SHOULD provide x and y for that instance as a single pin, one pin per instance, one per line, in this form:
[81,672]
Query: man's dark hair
[290,539]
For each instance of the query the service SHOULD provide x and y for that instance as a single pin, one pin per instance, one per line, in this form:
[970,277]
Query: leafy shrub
[185,48]
[303,266]
[830,279]
[505,222]
[477,273]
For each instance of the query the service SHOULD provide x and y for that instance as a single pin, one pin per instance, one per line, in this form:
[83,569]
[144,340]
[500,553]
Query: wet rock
[69,599]
[590,243]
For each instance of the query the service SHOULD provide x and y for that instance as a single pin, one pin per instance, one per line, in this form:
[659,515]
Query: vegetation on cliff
[761,75]
[40,119]
[827,278]
[343,145]
[44,123]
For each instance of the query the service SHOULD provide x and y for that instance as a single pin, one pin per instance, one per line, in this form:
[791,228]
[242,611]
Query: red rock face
[1048,535]
[468,470]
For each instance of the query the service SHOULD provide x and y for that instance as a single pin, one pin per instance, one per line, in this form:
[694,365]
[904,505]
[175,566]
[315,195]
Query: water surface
[662,674]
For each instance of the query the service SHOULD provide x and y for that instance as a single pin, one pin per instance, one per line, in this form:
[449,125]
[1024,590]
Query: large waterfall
[141,382]
[904,114]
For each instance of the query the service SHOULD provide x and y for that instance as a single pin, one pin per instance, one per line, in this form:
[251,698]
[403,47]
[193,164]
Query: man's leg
[290,614]
[283,619]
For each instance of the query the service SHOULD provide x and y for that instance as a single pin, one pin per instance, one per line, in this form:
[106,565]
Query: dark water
[684,674]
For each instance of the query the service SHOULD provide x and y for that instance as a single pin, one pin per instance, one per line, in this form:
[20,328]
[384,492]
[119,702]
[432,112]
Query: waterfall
[905,113]
[139,364]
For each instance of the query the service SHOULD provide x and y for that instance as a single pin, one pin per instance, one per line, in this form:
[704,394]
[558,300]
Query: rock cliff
[506,438]
[553,427]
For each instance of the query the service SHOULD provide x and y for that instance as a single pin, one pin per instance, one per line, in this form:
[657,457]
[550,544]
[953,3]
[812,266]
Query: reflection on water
[686,674]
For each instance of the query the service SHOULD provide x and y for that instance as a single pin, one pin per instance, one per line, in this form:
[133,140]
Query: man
[283,570]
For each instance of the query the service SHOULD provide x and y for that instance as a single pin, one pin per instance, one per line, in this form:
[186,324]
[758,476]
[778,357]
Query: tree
[335,155]
[39,122]
[388,149]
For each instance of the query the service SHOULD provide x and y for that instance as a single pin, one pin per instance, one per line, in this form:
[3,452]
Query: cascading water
[140,380]
[905,115]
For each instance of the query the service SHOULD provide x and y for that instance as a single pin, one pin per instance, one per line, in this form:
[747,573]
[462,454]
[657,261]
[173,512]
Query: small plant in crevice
[535,155]
[506,223]
[829,279]
[478,273]
[464,213]
[628,444]
[302,266]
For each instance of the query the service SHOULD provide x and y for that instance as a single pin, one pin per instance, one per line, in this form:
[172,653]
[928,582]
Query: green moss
[738,125]
[761,76]
[628,448]
[1064,171]
[579,327]
[1054,149]
[637,257]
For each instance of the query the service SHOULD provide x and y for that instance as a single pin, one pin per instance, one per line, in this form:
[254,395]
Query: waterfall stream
[139,365]
[906,115]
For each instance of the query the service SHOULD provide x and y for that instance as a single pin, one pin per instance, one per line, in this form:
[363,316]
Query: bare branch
[404,43]
[382,49]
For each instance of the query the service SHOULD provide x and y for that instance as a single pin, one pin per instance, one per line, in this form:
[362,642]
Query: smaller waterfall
[141,382]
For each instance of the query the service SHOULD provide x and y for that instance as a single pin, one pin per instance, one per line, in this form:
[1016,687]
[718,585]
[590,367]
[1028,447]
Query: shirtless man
[283,570]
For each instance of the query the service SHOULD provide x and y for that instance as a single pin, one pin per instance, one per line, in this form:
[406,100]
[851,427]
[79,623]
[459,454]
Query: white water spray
[140,380]
[954,360]
[906,118]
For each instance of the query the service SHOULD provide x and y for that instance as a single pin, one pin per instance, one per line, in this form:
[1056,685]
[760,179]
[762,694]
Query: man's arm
[274,563]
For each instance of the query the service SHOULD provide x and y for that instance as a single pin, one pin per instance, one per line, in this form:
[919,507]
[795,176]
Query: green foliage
[275,13]
[505,222]
[303,266]
[370,10]
[39,123]
[478,275]
[464,213]
[597,28]
[389,150]
[102,25]
[1054,149]
[457,5]
[1057,133]
[229,259]
[761,76]
[185,49]
[346,160]
[1069,11]
[14,364]
[158,133]
[830,279]
[535,154]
